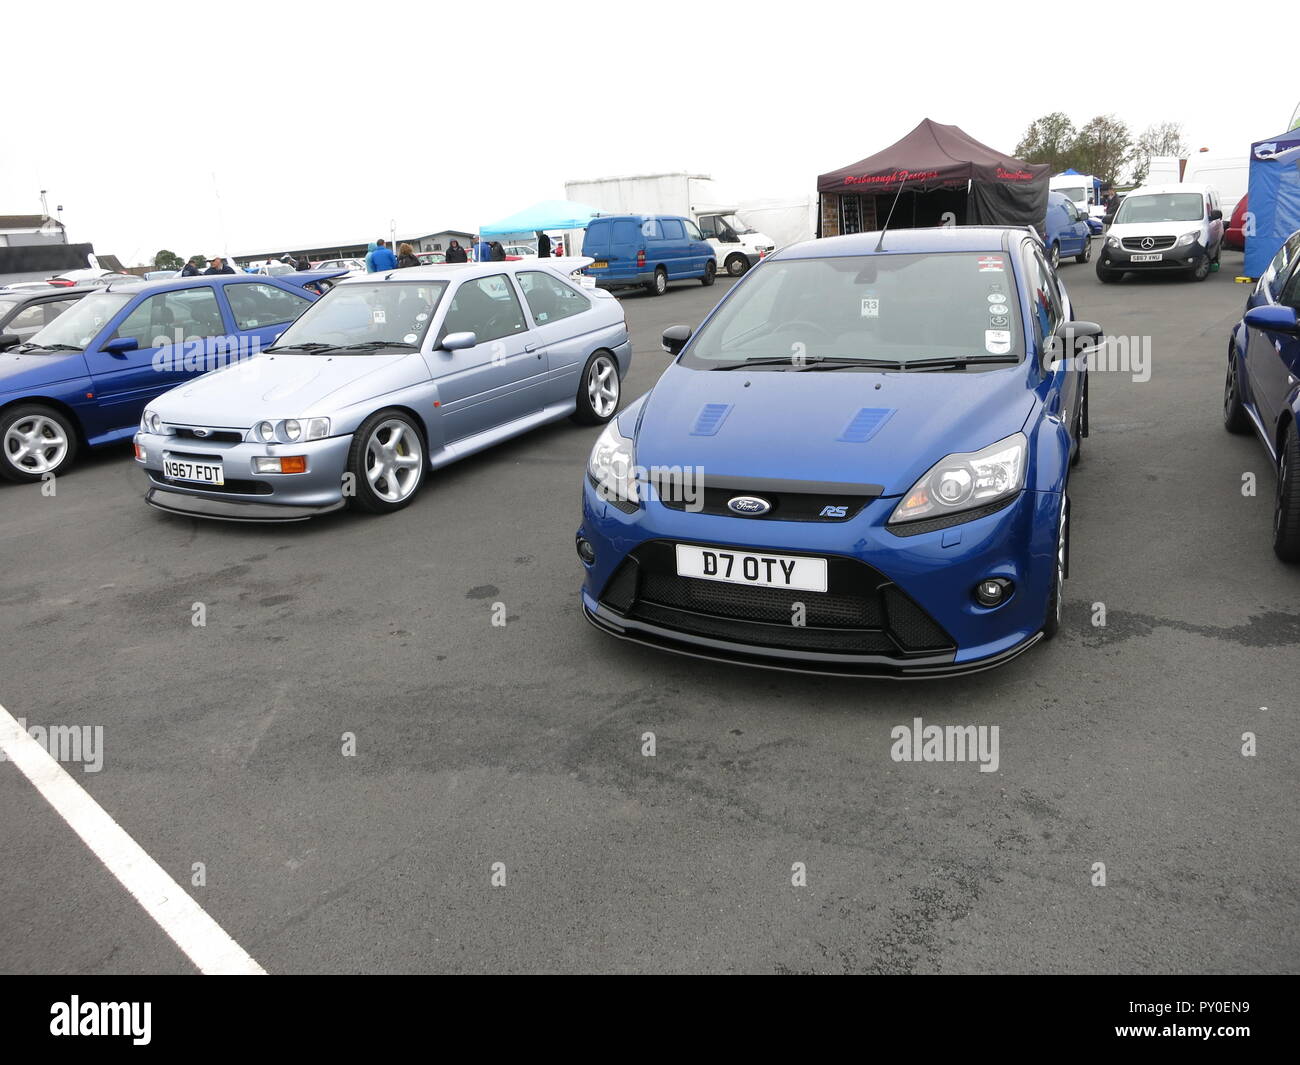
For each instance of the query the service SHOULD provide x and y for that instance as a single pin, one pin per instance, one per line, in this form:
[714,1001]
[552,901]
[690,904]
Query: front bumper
[247,494]
[1173,259]
[896,607]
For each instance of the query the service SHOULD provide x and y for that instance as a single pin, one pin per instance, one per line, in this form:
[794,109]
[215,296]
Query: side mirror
[675,338]
[120,346]
[1216,215]
[9,340]
[1274,318]
[458,341]
[1067,340]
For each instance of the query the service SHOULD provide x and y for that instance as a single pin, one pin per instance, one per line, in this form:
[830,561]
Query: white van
[1172,228]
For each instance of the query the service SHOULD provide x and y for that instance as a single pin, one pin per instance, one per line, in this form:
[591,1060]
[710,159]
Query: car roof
[48,293]
[938,238]
[169,284]
[448,271]
[1191,186]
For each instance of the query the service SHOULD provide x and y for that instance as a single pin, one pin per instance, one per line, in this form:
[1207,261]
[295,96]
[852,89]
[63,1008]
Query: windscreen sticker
[999,319]
[997,308]
[410,338]
[870,307]
[995,296]
[997,341]
[378,316]
[990,263]
[421,317]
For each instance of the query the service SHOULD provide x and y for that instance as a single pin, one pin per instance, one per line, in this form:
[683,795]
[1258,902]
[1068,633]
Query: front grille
[209,436]
[233,486]
[1157,243]
[864,612]
[789,500]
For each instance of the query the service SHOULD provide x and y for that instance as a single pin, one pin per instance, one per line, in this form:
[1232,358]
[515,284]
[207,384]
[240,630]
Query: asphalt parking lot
[521,744]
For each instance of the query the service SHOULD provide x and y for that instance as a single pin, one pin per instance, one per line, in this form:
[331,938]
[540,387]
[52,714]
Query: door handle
[531,348]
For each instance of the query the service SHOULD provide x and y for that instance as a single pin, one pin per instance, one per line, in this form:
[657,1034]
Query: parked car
[858,464]
[429,258]
[1170,228]
[1065,231]
[160,275]
[25,312]
[1234,236]
[385,379]
[647,251]
[354,265]
[84,378]
[1261,390]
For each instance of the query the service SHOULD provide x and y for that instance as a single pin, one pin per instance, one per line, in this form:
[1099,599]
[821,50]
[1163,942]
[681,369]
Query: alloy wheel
[394,460]
[35,444]
[602,386]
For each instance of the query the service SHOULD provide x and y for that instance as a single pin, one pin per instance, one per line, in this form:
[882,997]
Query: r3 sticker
[997,341]
[870,307]
[378,316]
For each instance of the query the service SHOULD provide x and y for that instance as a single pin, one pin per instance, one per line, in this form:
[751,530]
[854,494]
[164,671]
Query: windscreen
[1162,207]
[365,317]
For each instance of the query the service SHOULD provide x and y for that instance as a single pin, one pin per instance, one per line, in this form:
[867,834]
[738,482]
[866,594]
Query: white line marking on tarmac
[201,939]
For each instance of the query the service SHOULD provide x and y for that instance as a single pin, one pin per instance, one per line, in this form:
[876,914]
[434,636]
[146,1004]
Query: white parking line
[202,940]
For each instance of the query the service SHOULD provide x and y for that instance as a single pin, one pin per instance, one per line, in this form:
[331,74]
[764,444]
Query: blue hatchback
[857,465]
[85,378]
[1066,231]
[647,251]
[1262,388]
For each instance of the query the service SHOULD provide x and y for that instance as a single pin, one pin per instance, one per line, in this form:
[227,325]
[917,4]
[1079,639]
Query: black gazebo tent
[944,174]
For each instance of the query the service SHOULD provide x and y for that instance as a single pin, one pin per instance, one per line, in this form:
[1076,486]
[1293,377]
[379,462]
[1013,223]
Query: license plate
[599,264]
[758,569]
[1150,258]
[201,472]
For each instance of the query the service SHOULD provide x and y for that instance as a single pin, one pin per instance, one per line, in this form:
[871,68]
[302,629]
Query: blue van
[647,250]
[1066,230]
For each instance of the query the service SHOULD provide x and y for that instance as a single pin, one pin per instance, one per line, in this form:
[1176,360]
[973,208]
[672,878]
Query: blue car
[647,251]
[85,378]
[1066,231]
[857,465]
[1262,389]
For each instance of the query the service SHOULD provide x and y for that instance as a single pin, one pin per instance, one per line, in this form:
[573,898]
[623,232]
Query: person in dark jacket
[406,256]
[219,266]
[498,252]
[191,268]
[543,245]
[456,254]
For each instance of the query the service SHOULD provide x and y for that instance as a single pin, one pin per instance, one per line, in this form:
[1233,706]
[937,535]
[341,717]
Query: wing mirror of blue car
[8,340]
[1275,319]
[458,341]
[1070,340]
[121,345]
[675,338]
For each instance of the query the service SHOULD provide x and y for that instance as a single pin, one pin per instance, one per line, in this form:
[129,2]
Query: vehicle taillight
[640,258]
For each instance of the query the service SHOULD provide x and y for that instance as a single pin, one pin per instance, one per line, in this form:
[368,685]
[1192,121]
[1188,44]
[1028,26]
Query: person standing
[219,266]
[191,268]
[406,257]
[482,251]
[380,257]
[543,245]
[455,253]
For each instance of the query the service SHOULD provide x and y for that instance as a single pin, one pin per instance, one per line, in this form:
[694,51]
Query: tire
[1286,512]
[710,273]
[1235,418]
[372,464]
[1052,621]
[35,440]
[736,264]
[1085,255]
[1106,275]
[1202,269]
[1055,255]
[596,404]
[659,285]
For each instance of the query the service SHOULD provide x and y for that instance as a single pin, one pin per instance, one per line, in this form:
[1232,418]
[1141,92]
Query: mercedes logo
[1148,242]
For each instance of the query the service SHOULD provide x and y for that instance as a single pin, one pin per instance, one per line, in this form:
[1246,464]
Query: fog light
[585,551]
[993,592]
[280,464]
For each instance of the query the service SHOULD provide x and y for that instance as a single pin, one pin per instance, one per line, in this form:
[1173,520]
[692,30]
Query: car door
[175,332]
[561,323]
[1273,359]
[1063,394]
[262,310]
[673,248]
[502,377]
[699,249]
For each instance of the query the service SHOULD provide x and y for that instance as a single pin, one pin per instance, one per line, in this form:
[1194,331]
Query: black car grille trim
[210,436]
[865,614]
[925,525]
[1157,243]
[790,500]
[232,486]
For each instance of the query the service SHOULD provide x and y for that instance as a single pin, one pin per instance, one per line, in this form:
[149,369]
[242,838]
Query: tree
[167,260]
[1163,138]
[1050,140]
[1103,147]
[201,261]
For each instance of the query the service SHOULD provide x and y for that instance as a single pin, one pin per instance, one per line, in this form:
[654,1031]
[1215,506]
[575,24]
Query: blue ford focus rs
[857,465]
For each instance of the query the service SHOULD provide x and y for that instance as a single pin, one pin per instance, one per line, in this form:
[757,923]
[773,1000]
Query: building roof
[317,246]
[27,221]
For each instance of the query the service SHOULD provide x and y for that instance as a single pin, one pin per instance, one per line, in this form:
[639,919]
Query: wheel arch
[58,405]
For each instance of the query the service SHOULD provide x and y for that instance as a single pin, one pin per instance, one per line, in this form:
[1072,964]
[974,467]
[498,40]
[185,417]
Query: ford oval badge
[751,506]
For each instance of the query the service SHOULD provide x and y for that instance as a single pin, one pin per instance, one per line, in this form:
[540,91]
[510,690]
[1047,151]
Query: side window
[672,228]
[184,313]
[1291,293]
[258,305]
[486,307]
[627,233]
[652,229]
[692,231]
[1044,297]
[709,225]
[549,298]
[27,322]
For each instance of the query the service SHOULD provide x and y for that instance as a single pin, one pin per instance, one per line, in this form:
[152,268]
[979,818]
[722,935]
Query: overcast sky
[252,126]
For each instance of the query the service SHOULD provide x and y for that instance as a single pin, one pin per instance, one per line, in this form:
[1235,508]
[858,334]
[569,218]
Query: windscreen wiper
[957,360]
[843,362]
[300,347]
[51,347]
[372,344]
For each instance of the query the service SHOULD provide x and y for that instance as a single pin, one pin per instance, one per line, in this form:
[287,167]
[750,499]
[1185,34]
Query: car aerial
[1164,228]
[387,377]
[84,379]
[857,465]
[25,312]
[647,251]
[1234,236]
[1065,231]
[1262,388]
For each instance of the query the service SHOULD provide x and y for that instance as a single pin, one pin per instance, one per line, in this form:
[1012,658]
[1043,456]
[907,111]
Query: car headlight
[611,466]
[150,422]
[291,430]
[967,481]
[1112,242]
[1189,238]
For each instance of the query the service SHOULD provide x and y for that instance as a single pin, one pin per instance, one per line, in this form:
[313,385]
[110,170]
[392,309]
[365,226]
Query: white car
[1174,228]
[357,266]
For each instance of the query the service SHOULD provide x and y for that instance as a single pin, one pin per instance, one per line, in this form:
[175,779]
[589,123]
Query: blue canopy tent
[1273,199]
[543,216]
